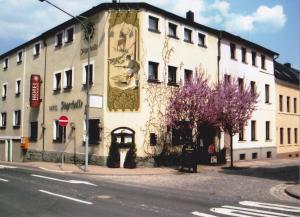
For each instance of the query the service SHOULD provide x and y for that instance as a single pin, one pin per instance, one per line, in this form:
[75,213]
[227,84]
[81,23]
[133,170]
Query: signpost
[63,122]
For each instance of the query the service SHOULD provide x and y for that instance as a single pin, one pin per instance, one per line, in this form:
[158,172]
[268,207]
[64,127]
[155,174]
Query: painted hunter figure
[132,72]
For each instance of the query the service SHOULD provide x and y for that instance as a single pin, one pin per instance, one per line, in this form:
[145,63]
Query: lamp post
[88,32]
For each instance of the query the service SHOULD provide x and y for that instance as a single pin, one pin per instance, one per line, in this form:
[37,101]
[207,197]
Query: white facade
[245,149]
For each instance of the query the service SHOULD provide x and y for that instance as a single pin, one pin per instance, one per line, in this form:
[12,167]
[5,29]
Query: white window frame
[19,60]
[18,89]
[34,49]
[15,118]
[54,81]
[62,38]
[4,84]
[65,77]
[5,63]
[84,72]
[54,130]
[66,34]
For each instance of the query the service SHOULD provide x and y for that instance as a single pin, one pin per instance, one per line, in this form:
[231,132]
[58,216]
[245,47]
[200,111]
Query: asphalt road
[34,193]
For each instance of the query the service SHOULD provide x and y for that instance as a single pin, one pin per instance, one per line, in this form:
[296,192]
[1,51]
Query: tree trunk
[231,151]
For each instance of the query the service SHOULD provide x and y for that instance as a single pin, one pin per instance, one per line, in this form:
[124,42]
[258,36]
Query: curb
[290,193]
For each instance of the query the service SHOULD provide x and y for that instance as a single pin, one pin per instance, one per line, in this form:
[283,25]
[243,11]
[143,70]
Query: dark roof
[240,40]
[286,73]
[136,5]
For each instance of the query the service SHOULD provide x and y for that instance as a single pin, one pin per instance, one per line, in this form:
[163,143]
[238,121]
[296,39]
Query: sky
[274,24]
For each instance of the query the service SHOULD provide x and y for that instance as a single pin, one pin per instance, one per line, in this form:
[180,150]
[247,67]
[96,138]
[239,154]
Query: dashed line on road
[271,206]
[66,181]
[202,214]
[3,180]
[66,197]
[8,167]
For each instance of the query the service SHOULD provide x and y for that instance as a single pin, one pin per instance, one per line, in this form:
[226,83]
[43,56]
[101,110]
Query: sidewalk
[101,170]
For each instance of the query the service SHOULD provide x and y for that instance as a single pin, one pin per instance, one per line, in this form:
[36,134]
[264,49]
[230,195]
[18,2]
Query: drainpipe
[44,94]
[219,54]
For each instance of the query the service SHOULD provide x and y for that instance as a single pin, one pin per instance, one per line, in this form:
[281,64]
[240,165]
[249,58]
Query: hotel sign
[35,91]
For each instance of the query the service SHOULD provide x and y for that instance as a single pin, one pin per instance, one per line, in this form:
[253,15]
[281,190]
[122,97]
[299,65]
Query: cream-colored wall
[185,56]
[286,119]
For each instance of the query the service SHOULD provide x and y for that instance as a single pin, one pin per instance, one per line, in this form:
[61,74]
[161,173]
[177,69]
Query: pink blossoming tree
[233,106]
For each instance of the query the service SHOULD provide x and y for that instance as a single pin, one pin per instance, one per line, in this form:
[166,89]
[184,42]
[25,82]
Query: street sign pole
[63,122]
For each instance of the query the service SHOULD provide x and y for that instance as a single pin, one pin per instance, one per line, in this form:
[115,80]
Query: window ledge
[68,88]
[188,41]
[3,97]
[242,141]
[16,126]
[19,62]
[154,30]
[254,140]
[154,81]
[173,36]
[2,127]
[202,45]
[18,94]
[5,68]
[69,42]
[173,84]
[268,140]
[235,59]
[245,62]
[57,141]
[36,55]
[33,139]
[58,46]
[269,103]
[56,90]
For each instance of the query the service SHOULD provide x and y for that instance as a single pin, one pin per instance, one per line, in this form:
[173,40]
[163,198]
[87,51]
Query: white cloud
[222,6]
[271,16]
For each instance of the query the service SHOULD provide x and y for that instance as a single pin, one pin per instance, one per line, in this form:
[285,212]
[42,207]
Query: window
[280,102]
[172,30]
[37,49]
[227,78]
[33,131]
[281,136]
[5,64]
[201,39]
[89,76]
[232,51]
[94,131]
[58,132]
[17,118]
[267,93]
[241,84]
[253,130]
[172,75]
[252,88]
[188,35]
[289,135]
[153,24]
[254,155]
[59,39]
[57,81]
[69,35]
[188,75]
[295,105]
[19,56]
[68,79]
[4,90]
[269,154]
[18,87]
[253,58]
[244,55]
[242,156]
[3,120]
[263,62]
[153,71]
[296,135]
[288,104]
[153,139]
[267,130]
[241,133]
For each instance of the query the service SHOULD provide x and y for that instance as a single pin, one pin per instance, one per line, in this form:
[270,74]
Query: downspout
[219,54]
[44,94]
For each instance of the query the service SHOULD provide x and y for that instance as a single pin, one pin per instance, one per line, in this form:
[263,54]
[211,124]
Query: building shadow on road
[289,174]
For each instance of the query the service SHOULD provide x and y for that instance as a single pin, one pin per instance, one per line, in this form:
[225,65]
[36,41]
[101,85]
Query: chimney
[190,16]
[288,65]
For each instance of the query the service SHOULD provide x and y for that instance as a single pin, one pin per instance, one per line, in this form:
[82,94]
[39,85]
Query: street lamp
[88,33]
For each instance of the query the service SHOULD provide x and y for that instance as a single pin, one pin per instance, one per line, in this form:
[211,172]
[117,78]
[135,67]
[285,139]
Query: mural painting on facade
[92,26]
[123,61]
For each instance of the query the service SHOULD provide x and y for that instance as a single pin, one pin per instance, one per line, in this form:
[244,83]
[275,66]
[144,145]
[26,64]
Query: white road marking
[8,167]
[66,181]
[57,171]
[66,197]
[271,206]
[258,211]
[202,214]
[239,213]
[3,180]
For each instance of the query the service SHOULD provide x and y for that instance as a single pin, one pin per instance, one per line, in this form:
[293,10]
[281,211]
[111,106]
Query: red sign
[63,121]
[35,87]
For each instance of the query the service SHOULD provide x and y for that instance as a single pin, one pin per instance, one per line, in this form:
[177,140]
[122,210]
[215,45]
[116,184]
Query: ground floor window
[94,131]
[58,132]
[33,131]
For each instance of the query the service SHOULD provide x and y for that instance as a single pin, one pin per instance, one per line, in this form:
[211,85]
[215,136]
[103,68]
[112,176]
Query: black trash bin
[188,159]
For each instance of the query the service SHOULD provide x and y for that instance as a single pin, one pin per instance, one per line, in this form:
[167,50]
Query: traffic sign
[63,121]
